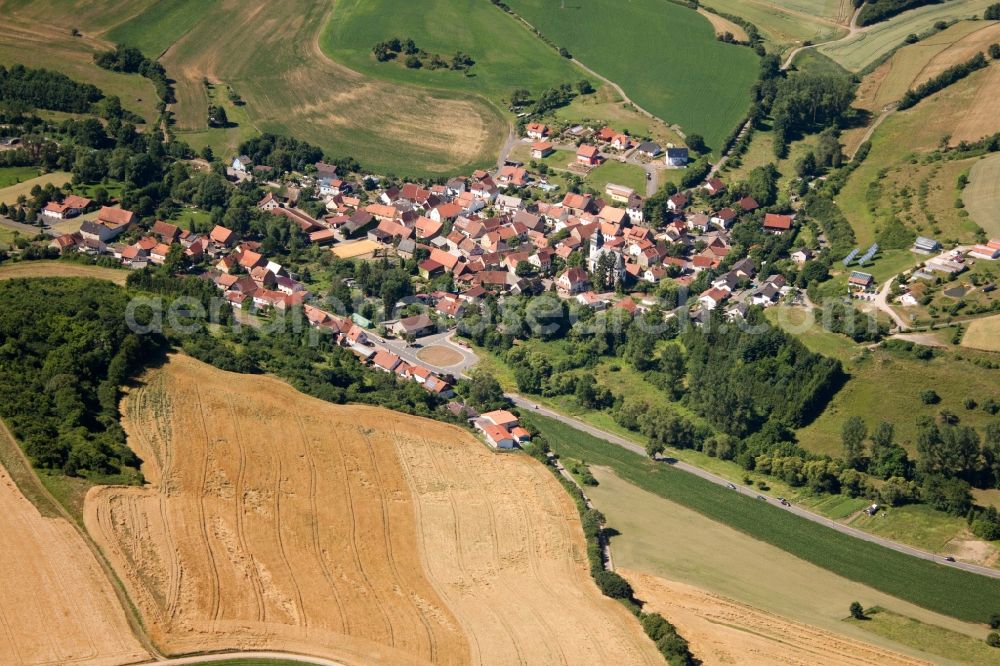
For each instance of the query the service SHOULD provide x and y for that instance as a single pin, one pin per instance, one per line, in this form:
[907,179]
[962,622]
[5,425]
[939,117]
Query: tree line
[943,80]
[130,60]
[875,11]
[44,89]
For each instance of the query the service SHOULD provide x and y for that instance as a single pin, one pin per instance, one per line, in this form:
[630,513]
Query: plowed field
[276,521]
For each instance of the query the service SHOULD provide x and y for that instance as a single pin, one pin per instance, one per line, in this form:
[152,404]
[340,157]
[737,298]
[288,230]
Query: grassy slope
[785,23]
[14,175]
[866,47]
[666,539]
[161,25]
[982,195]
[37,34]
[676,69]
[517,60]
[886,385]
[902,136]
[945,590]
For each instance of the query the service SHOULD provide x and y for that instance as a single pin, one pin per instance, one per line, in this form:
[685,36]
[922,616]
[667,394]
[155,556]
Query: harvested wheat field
[56,604]
[502,543]
[277,521]
[32,269]
[722,631]
[983,333]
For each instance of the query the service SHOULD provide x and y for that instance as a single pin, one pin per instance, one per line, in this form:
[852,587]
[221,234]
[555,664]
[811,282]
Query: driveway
[531,406]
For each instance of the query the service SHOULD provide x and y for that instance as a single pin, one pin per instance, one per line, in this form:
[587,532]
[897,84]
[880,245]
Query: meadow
[14,175]
[940,642]
[886,385]
[10,193]
[874,42]
[788,23]
[913,64]
[962,111]
[982,195]
[983,334]
[937,588]
[676,69]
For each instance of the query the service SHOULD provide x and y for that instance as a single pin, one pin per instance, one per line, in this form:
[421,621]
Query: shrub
[612,585]
[993,640]
[929,397]
[857,611]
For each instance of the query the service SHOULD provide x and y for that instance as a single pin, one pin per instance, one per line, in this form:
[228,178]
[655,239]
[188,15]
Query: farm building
[416,326]
[990,251]
[71,206]
[925,245]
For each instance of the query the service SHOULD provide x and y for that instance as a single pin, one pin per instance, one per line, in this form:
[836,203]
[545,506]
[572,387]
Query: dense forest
[44,89]
[65,351]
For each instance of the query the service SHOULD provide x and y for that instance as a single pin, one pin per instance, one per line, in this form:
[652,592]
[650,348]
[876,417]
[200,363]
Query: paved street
[524,403]
[409,353]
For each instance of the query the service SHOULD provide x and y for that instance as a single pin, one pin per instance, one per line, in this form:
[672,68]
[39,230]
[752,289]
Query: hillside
[675,68]
[278,521]
[288,85]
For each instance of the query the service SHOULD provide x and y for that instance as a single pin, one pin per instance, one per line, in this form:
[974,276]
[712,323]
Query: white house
[242,164]
[677,157]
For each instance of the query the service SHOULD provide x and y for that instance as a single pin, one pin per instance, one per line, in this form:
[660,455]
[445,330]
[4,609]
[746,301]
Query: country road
[708,476]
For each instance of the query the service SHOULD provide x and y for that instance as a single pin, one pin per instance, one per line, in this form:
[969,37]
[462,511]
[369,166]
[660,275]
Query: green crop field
[666,539]
[506,55]
[786,23]
[942,589]
[664,56]
[162,24]
[982,195]
[874,42]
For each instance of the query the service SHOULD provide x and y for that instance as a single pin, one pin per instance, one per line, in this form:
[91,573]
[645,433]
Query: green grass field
[613,171]
[887,385]
[864,48]
[938,588]
[14,175]
[675,68]
[162,24]
[982,195]
[666,539]
[938,641]
[517,60]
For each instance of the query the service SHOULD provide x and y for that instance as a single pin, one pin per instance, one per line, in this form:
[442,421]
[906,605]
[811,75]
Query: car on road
[949,558]
[731,486]
[761,497]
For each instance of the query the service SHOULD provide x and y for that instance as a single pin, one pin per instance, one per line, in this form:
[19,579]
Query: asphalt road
[752,492]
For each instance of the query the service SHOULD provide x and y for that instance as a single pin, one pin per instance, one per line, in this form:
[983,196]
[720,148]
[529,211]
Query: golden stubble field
[56,604]
[272,520]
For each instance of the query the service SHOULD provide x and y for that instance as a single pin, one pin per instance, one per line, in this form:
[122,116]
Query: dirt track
[722,631]
[277,521]
[56,605]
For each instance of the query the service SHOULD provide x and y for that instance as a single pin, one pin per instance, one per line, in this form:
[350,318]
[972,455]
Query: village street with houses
[484,236]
